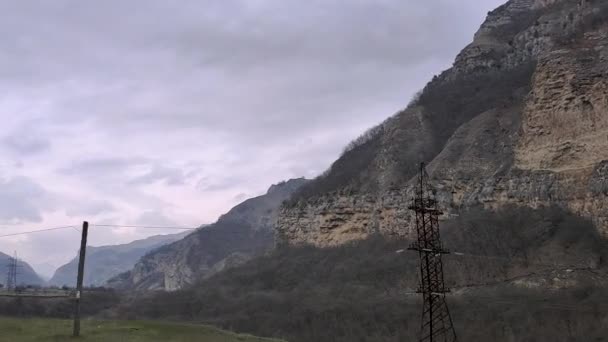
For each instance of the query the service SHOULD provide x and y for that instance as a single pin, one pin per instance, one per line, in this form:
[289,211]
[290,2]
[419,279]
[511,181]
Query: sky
[168,113]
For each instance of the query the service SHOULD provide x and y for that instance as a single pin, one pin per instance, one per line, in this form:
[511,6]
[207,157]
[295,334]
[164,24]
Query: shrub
[363,291]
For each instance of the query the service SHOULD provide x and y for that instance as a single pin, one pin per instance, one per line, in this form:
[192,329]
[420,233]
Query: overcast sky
[164,112]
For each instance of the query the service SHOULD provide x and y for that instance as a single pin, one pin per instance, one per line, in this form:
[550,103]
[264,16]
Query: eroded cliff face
[565,123]
[521,118]
[243,232]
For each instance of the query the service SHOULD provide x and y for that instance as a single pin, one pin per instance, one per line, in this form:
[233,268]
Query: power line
[544,303]
[512,259]
[143,227]
[116,226]
[96,225]
[37,231]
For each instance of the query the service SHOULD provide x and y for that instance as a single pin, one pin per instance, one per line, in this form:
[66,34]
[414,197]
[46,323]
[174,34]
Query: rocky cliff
[243,232]
[520,119]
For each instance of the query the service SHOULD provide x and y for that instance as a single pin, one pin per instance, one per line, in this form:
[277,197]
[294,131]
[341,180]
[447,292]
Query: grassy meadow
[53,330]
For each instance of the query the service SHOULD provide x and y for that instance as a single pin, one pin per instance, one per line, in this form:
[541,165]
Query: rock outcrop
[243,232]
[520,119]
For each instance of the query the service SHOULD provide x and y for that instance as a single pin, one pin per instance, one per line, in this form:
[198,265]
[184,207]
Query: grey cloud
[22,200]
[316,60]
[89,208]
[168,175]
[131,101]
[99,166]
[26,144]
[114,179]
[219,183]
[155,219]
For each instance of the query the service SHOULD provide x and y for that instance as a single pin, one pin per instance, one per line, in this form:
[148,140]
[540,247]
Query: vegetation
[517,24]
[521,241]
[451,103]
[446,103]
[364,291]
[367,136]
[593,21]
[94,301]
[41,330]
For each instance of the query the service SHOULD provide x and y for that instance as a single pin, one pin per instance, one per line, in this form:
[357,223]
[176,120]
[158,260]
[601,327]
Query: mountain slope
[534,260]
[519,119]
[514,136]
[105,262]
[244,231]
[25,273]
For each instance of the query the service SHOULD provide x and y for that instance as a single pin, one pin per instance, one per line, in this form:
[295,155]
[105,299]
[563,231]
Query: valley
[487,194]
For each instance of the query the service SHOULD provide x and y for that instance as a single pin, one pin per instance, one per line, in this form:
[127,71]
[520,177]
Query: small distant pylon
[436,323]
[11,276]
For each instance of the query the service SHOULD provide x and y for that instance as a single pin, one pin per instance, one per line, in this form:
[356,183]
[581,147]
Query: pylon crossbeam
[436,323]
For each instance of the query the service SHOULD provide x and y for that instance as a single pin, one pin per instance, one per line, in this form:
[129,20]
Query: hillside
[246,230]
[25,273]
[105,262]
[514,135]
[520,118]
[513,269]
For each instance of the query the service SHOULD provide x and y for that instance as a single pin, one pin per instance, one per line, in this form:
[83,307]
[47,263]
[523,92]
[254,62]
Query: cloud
[24,144]
[22,200]
[215,183]
[89,208]
[170,176]
[96,166]
[155,219]
[152,110]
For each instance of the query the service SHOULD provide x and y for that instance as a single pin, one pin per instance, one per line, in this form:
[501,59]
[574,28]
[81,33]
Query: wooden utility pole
[83,250]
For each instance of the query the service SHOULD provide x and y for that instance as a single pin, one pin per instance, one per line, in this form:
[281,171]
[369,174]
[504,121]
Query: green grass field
[50,330]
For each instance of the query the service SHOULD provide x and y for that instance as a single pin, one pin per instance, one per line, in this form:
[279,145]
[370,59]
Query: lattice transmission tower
[11,274]
[436,323]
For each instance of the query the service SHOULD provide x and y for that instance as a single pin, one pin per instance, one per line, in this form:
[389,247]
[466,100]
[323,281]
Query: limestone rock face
[520,119]
[565,123]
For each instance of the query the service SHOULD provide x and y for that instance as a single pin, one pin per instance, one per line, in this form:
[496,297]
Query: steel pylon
[436,325]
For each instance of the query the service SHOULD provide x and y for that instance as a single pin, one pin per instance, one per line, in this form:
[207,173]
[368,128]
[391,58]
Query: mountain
[519,119]
[105,262]
[514,136]
[25,273]
[365,291]
[243,232]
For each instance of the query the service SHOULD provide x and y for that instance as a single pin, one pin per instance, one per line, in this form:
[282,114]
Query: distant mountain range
[105,262]
[25,273]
